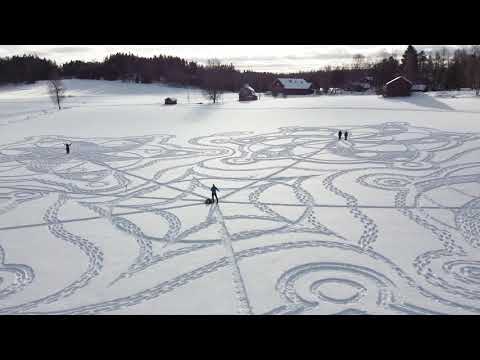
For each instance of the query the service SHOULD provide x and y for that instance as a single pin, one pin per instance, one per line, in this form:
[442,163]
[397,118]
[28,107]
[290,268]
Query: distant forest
[440,70]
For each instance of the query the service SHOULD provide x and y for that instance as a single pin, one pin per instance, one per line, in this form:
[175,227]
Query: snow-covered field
[387,222]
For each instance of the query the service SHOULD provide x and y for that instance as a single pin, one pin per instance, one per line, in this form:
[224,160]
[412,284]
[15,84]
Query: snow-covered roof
[289,83]
[398,78]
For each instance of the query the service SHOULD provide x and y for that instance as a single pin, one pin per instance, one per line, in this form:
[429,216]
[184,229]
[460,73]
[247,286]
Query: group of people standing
[345,134]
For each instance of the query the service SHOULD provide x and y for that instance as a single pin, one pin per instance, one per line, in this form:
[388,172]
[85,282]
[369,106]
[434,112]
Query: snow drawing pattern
[311,265]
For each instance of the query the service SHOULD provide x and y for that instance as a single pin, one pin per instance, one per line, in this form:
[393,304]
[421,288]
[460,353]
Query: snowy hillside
[386,222]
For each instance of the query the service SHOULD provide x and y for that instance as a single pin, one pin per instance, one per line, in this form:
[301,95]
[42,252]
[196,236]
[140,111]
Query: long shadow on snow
[423,100]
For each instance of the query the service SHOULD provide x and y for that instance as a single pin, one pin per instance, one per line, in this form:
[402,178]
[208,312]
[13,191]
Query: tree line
[25,69]
[439,70]
[169,69]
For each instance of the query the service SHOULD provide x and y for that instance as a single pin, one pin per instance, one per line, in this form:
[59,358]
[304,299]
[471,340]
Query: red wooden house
[289,86]
[400,86]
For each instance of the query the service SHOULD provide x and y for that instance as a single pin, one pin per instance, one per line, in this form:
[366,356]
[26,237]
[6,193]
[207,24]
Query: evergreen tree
[410,63]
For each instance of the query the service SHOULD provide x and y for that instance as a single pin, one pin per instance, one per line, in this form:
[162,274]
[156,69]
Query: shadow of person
[208,201]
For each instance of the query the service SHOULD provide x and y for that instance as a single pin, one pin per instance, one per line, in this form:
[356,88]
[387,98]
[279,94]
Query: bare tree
[56,89]
[358,61]
[213,80]
[327,80]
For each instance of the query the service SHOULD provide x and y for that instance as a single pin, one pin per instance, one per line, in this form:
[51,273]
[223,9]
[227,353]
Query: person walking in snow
[214,190]
[340,135]
[346,135]
[67,147]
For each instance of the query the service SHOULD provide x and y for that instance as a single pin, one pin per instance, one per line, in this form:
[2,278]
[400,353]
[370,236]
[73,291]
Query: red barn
[400,86]
[288,86]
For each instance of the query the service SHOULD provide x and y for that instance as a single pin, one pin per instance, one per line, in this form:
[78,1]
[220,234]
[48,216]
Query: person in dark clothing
[340,135]
[214,192]
[67,147]
[346,135]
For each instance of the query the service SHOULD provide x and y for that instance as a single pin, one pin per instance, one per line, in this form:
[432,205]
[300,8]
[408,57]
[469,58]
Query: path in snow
[305,224]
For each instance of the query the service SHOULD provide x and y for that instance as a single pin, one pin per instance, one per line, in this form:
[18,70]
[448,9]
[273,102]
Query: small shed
[400,86]
[290,86]
[170,101]
[247,93]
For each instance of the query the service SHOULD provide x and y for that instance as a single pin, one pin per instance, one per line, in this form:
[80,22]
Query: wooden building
[289,86]
[170,101]
[247,93]
[400,86]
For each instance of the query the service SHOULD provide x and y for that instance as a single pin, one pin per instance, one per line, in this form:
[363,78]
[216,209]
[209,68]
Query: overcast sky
[275,58]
